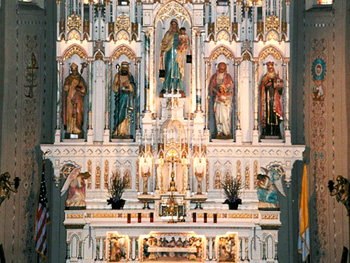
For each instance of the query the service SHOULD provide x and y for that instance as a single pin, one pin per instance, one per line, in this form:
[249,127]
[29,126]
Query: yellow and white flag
[304,236]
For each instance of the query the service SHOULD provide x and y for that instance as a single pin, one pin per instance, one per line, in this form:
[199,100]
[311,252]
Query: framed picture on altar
[117,247]
[226,248]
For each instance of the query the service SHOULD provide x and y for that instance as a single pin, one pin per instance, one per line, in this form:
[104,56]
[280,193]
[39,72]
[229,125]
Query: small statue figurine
[271,115]
[6,186]
[267,184]
[340,191]
[125,90]
[76,184]
[75,90]
[221,91]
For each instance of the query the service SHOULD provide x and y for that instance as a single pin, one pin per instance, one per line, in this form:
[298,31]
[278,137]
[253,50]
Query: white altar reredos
[172,132]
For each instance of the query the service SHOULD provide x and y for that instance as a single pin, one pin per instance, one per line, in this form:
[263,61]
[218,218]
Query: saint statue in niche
[124,89]
[172,58]
[271,88]
[73,102]
[221,94]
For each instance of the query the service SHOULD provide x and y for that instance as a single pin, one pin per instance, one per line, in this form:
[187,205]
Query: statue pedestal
[239,137]
[106,135]
[255,137]
[58,136]
[90,136]
[287,137]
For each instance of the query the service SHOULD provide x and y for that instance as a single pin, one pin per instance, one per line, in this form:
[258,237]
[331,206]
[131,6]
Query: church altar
[175,97]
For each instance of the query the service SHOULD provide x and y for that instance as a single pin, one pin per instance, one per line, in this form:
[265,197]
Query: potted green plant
[232,189]
[116,189]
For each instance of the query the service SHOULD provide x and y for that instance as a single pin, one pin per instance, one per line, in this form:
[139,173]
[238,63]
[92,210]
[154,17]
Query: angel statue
[267,185]
[76,184]
[6,186]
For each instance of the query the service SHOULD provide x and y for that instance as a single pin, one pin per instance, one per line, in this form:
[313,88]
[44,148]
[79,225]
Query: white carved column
[198,71]
[90,76]
[288,18]
[82,20]
[192,91]
[210,248]
[287,133]
[66,20]
[106,133]
[133,248]
[58,103]
[287,97]
[207,96]
[58,8]
[147,71]
[256,103]
[91,19]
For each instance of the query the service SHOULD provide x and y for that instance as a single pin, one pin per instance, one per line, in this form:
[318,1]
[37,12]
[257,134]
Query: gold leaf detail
[122,23]
[74,22]
[270,51]
[222,50]
[123,50]
[223,23]
[272,23]
[75,50]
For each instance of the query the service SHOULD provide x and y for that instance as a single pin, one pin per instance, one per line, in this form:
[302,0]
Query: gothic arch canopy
[74,49]
[270,51]
[123,50]
[222,50]
[172,9]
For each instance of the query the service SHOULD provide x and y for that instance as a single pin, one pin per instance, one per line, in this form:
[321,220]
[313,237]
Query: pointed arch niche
[224,54]
[163,14]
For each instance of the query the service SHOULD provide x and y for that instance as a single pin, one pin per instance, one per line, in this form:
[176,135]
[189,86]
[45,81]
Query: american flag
[41,218]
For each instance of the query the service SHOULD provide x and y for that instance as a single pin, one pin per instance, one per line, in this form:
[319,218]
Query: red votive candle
[139,217]
[129,219]
[151,217]
[194,216]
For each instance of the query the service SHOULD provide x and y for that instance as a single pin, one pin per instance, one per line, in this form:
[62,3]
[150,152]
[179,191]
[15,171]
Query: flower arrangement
[116,188]
[232,190]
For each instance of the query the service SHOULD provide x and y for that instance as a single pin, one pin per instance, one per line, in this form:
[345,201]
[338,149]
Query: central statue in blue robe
[168,54]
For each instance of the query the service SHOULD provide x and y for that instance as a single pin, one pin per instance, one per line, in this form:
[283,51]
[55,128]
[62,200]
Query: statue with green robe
[124,89]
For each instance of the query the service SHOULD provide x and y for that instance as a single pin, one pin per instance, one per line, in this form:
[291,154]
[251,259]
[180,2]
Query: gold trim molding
[75,50]
[222,50]
[75,216]
[270,51]
[123,50]
[172,9]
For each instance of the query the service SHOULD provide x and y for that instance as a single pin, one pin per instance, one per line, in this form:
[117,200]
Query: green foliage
[117,187]
[232,189]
